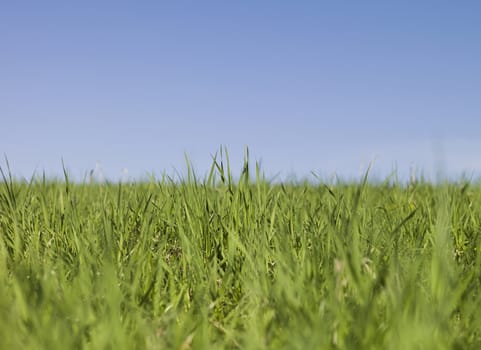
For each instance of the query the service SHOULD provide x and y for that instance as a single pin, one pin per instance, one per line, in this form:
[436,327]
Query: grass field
[218,263]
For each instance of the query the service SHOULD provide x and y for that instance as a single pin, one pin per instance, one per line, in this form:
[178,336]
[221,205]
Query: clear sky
[323,86]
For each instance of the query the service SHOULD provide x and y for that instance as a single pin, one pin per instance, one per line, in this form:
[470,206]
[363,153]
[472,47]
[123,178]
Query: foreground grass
[218,264]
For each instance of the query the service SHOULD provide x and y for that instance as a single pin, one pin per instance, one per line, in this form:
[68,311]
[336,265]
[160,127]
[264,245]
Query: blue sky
[306,85]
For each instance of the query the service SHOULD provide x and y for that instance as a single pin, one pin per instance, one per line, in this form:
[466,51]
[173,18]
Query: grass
[220,263]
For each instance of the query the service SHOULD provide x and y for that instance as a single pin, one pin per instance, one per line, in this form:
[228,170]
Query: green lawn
[218,263]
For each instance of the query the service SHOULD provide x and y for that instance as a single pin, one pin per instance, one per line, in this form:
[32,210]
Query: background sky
[307,85]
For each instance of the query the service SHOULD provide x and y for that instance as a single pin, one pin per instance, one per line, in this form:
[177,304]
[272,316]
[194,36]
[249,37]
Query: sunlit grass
[218,263]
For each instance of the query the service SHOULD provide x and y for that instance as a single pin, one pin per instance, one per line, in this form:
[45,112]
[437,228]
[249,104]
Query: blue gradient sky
[307,85]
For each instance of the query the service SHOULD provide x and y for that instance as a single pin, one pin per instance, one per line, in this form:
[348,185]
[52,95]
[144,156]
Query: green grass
[218,263]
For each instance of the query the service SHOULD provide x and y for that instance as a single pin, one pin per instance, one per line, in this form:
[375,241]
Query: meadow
[239,263]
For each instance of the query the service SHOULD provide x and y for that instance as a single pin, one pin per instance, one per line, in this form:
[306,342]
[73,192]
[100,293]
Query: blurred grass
[219,263]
